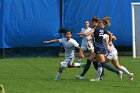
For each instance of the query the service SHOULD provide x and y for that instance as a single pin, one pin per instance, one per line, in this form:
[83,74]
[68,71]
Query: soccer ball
[63,65]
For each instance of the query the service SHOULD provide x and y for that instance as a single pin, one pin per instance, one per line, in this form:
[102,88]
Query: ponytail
[106,21]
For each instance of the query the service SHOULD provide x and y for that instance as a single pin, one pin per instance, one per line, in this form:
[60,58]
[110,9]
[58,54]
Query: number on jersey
[101,33]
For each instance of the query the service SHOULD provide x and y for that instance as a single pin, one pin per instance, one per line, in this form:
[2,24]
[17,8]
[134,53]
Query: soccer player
[86,41]
[69,46]
[111,51]
[113,56]
[99,49]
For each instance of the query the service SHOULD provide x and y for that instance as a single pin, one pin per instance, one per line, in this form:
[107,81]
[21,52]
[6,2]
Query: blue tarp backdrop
[75,13]
[26,23]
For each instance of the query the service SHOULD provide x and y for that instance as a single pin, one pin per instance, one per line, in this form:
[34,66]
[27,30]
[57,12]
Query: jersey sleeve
[61,40]
[105,36]
[82,30]
[107,29]
[75,43]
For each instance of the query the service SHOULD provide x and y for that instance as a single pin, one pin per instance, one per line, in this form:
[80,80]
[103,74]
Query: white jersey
[112,47]
[114,52]
[69,47]
[84,40]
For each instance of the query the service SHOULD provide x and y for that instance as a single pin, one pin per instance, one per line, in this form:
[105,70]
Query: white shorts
[88,46]
[112,56]
[66,62]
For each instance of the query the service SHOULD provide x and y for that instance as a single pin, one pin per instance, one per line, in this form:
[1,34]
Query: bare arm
[51,41]
[80,52]
[88,33]
[107,45]
[114,38]
[110,37]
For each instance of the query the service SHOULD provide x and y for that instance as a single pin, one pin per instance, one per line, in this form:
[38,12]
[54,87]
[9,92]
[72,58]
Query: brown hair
[95,18]
[106,21]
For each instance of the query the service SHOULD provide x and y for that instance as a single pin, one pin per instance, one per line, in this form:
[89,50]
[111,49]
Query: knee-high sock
[109,67]
[124,70]
[102,75]
[86,67]
[95,63]
[58,75]
[77,64]
[99,71]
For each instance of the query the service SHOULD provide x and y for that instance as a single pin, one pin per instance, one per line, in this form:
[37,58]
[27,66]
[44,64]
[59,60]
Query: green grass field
[36,75]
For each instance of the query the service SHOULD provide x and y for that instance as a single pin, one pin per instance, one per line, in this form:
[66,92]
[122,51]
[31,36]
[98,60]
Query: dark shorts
[99,50]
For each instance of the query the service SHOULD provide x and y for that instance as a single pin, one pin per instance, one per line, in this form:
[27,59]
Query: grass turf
[36,75]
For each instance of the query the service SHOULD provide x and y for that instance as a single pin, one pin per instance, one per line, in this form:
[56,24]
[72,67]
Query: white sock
[99,72]
[124,70]
[58,75]
[77,64]
[79,60]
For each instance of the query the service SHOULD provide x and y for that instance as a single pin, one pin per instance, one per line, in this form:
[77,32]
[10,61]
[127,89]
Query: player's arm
[110,37]
[90,39]
[107,45]
[80,52]
[88,33]
[114,38]
[51,41]
[79,34]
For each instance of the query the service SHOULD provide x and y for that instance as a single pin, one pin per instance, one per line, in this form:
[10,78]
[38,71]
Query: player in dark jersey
[87,65]
[99,49]
[107,23]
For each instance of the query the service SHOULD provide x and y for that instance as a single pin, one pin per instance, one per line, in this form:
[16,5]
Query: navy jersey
[98,35]
[107,28]
[98,38]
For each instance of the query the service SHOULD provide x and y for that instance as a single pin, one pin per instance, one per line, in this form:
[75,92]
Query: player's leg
[101,59]
[62,66]
[103,75]
[87,66]
[73,65]
[96,65]
[116,64]
[99,68]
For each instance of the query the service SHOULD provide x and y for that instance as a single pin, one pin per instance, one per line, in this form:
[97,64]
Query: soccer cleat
[56,79]
[79,77]
[131,75]
[102,77]
[120,74]
[94,79]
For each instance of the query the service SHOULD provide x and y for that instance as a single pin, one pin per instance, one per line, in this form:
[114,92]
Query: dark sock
[95,63]
[86,67]
[107,66]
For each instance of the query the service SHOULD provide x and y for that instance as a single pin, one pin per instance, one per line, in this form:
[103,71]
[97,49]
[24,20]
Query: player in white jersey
[69,46]
[112,55]
[86,41]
